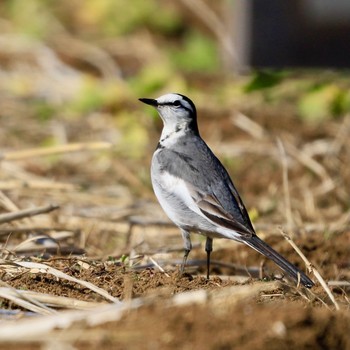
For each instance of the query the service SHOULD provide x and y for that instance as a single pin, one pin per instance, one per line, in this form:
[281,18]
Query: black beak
[149,101]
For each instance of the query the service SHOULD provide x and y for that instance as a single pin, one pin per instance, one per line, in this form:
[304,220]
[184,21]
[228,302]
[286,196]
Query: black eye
[177,103]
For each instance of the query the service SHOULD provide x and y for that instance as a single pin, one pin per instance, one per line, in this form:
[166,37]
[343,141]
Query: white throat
[171,133]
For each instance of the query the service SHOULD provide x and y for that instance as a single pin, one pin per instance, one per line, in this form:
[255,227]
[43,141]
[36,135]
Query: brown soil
[287,318]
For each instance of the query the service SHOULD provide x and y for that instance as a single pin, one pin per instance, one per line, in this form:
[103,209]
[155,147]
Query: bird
[195,190]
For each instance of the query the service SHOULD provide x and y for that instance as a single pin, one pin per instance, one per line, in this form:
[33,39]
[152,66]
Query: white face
[174,108]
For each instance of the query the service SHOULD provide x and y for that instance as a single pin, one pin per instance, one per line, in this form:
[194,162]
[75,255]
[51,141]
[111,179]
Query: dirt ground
[113,239]
[285,317]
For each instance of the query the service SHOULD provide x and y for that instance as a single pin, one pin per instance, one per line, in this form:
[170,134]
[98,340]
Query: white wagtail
[195,190]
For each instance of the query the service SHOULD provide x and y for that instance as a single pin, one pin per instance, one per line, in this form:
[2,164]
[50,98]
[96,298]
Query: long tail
[260,246]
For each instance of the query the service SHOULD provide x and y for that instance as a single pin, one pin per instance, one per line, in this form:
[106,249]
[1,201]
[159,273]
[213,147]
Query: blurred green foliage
[31,17]
[264,79]
[134,138]
[183,47]
[44,110]
[99,18]
[179,48]
[199,54]
[151,78]
[154,78]
[317,96]
[324,101]
[114,18]
[95,94]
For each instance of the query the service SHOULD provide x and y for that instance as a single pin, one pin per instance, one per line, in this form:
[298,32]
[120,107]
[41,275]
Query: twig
[311,268]
[286,192]
[26,213]
[39,152]
[10,206]
[158,266]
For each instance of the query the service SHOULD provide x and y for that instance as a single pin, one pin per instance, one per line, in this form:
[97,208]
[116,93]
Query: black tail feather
[260,246]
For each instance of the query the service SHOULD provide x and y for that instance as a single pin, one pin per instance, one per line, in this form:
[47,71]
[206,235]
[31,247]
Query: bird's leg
[188,246]
[182,268]
[208,249]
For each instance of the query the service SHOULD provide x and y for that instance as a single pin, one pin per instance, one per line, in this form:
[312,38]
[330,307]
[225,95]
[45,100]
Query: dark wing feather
[211,207]
[241,206]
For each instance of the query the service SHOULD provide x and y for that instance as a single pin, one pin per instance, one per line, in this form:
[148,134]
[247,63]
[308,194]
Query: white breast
[173,196]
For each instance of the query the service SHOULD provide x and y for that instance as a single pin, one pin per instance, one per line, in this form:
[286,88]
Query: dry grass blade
[339,283]
[93,54]
[39,152]
[25,301]
[52,300]
[309,162]
[12,296]
[286,193]
[37,185]
[27,244]
[7,203]
[42,268]
[158,266]
[39,328]
[42,328]
[311,269]
[27,213]
[249,126]
[226,296]
[28,229]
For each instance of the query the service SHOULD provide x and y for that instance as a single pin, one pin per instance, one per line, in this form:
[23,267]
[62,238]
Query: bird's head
[175,110]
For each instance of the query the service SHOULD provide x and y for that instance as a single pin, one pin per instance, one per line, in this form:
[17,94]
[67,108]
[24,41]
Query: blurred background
[72,71]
